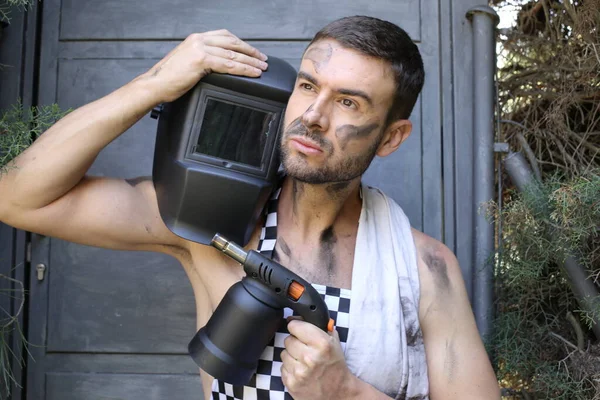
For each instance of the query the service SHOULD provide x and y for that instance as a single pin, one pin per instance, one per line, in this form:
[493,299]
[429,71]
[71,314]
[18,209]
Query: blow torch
[229,345]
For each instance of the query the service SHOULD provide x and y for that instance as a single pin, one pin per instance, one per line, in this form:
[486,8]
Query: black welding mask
[216,153]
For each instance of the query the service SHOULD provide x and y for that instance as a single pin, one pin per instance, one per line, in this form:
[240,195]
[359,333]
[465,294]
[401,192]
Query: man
[358,82]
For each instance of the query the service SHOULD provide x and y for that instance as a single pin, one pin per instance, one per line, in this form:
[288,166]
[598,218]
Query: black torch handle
[291,290]
[275,285]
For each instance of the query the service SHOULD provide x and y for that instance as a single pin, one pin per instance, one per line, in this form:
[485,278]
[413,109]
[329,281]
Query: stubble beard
[345,169]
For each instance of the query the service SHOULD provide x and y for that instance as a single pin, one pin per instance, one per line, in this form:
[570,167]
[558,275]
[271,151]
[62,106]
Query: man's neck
[314,209]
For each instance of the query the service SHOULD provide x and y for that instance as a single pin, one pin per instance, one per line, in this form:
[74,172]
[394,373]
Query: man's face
[336,114]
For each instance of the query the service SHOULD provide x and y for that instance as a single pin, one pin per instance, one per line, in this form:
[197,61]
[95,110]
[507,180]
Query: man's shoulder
[426,245]
[437,265]
[439,271]
[431,250]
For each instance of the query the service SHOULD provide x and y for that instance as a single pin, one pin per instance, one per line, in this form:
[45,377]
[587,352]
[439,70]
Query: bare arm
[46,190]
[457,362]
[58,160]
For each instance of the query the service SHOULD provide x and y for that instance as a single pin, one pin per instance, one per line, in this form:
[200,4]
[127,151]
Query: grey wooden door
[115,325]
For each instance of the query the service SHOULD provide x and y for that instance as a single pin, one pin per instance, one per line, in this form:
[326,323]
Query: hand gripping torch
[229,345]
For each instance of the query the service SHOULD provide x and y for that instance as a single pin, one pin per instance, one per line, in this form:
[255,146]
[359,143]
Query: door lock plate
[41,271]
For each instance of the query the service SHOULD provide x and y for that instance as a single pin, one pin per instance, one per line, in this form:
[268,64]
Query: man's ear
[396,133]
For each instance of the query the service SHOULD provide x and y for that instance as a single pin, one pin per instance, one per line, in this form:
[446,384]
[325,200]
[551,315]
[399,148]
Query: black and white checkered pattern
[266,384]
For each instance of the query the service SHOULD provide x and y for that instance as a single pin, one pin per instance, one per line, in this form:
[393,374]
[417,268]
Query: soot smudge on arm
[437,265]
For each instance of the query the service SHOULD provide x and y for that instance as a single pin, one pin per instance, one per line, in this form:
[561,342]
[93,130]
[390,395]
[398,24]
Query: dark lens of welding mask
[216,153]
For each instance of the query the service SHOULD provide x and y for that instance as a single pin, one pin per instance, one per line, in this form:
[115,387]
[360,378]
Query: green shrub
[19,127]
[542,339]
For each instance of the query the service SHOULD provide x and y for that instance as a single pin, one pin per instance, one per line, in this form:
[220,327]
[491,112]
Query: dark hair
[382,39]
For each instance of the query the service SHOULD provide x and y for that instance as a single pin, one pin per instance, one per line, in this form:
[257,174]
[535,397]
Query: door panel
[277,19]
[117,302]
[74,386]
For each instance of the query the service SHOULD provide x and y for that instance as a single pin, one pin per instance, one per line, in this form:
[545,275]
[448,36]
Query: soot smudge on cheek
[348,132]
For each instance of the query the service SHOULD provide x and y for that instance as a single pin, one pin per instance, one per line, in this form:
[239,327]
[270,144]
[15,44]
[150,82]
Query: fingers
[235,56]
[218,64]
[287,360]
[335,334]
[308,333]
[231,42]
[292,366]
[200,54]
[294,347]
[293,372]
[225,53]
[287,375]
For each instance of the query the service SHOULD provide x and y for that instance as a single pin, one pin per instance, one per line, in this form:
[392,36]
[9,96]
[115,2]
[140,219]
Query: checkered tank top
[266,383]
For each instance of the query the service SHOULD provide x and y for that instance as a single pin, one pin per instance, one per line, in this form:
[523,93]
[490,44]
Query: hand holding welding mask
[200,54]
[314,366]
[216,158]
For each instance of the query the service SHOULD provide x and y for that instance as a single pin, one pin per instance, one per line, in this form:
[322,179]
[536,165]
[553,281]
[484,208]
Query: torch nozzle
[230,248]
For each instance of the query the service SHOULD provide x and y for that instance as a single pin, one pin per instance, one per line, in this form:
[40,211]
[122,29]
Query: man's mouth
[305,146]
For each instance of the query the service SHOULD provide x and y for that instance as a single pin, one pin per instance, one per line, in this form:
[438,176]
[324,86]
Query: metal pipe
[583,288]
[530,156]
[528,152]
[519,171]
[484,20]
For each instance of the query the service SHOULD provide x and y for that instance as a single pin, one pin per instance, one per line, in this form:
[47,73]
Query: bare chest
[328,260]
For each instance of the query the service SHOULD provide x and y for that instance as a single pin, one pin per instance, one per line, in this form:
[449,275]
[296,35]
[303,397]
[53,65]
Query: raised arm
[46,189]
[457,362]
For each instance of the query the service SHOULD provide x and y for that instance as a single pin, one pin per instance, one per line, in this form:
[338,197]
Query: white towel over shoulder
[385,344]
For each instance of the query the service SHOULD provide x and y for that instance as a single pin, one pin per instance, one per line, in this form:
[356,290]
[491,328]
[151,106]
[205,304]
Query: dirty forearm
[58,160]
[358,389]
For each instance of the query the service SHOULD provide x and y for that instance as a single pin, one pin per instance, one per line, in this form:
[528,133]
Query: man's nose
[315,117]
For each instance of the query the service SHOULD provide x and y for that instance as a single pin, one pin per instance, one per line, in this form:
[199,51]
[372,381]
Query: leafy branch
[9,325]
[7,5]
[19,127]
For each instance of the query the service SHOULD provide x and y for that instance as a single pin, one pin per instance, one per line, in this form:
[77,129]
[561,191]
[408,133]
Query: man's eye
[306,86]
[348,103]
